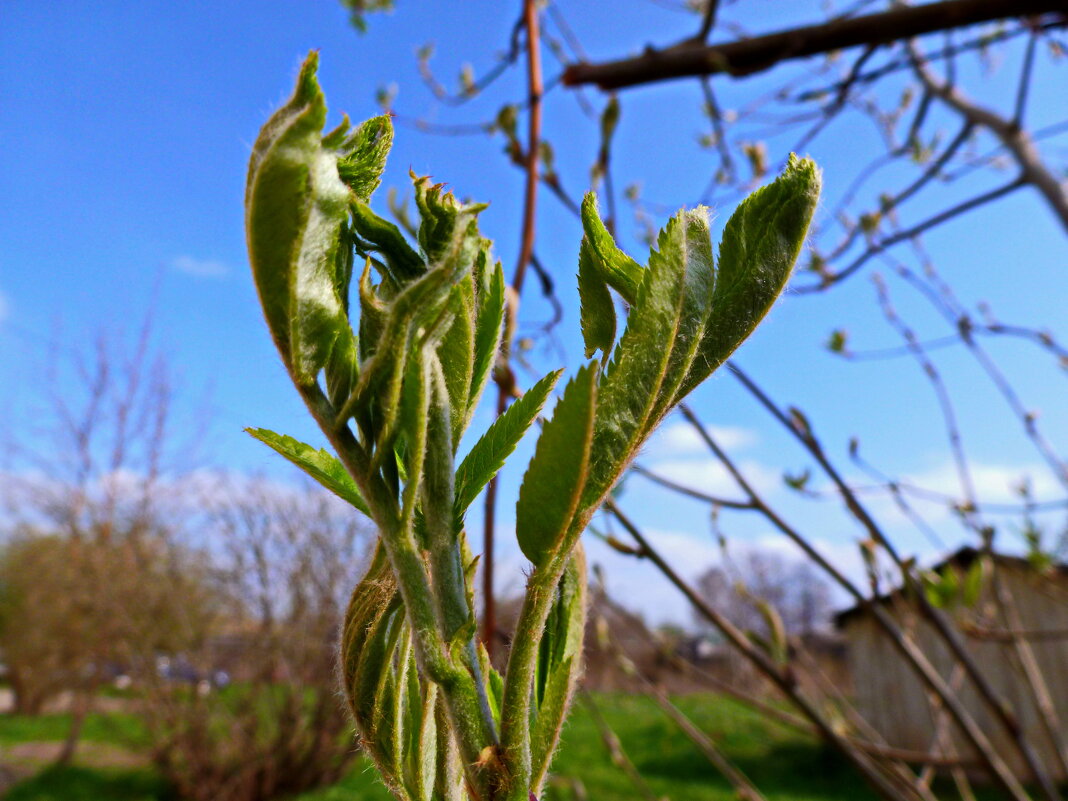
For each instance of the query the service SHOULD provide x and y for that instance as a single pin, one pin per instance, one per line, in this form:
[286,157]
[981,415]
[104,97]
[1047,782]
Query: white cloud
[994,483]
[640,587]
[201,268]
[681,439]
[711,477]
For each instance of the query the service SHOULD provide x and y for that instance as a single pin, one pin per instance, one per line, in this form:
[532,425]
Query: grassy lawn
[78,783]
[785,765]
[120,729]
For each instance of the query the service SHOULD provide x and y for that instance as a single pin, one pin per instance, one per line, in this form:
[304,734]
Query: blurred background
[882,463]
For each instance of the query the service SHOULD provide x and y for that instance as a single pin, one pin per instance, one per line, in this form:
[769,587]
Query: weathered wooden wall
[893,700]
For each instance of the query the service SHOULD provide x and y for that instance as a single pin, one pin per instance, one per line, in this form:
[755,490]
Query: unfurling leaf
[296,206]
[324,467]
[553,484]
[398,713]
[559,664]
[974,581]
[378,236]
[616,268]
[838,341]
[797,481]
[630,390]
[489,321]
[365,151]
[761,242]
[488,454]
[598,313]
[777,645]
[444,219]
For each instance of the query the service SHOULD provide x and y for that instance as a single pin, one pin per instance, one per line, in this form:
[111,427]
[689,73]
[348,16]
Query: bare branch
[1015,138]
[828,279]
[504,377]
[747,56]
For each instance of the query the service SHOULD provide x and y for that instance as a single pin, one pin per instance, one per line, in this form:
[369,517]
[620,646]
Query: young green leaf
[295,207]
[688,241]
[598,313]
[375,625]
[449,780]
[552,486]
[632,380]
[371,597]
[488,321]
[559,665]
[456,352]
[319,464]
[562,637]
[365,151]
[974,580]
[383,237]
[761,242]
[487,456]
[617,269]
[443,218]
[424,748]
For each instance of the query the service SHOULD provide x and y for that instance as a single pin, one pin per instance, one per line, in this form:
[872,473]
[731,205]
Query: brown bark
[746,56]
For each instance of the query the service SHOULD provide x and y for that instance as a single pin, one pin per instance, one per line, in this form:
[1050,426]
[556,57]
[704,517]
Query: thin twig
[503,376]
[783,680]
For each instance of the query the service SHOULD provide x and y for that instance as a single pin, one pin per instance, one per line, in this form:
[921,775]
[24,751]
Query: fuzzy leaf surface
[321,465]
[383,237]
[295,207]
[552,486]
[442,216]
[487,457]
[488,322]
[688,241]
[456,352]
[598,313]
[632,381]
[761,242]
[366,149]
[618,270]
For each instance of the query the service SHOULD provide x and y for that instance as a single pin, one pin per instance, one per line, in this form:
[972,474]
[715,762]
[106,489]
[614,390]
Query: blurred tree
[74,614]
[96,579]
[289,557]
[793,588]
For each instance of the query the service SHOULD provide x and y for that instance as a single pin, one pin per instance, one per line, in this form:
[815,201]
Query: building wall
[892,698]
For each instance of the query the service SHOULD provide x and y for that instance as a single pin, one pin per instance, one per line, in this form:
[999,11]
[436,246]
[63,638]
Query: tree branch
[504,377]
[1015,139]
[747,56]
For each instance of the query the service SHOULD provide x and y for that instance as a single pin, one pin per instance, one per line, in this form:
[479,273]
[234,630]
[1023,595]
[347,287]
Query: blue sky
[124,135]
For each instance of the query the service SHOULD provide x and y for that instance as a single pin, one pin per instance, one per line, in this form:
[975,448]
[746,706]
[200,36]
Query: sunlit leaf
[618,270]
[321,465]
[487,456]
[552,486]
[761,242]
[598,313]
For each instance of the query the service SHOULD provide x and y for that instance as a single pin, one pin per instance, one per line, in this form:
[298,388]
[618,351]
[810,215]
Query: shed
[892,699]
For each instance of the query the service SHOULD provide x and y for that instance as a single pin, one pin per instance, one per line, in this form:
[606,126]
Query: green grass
[784,765]
[90,784]
[787,766]
[361,784]
[120,729]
